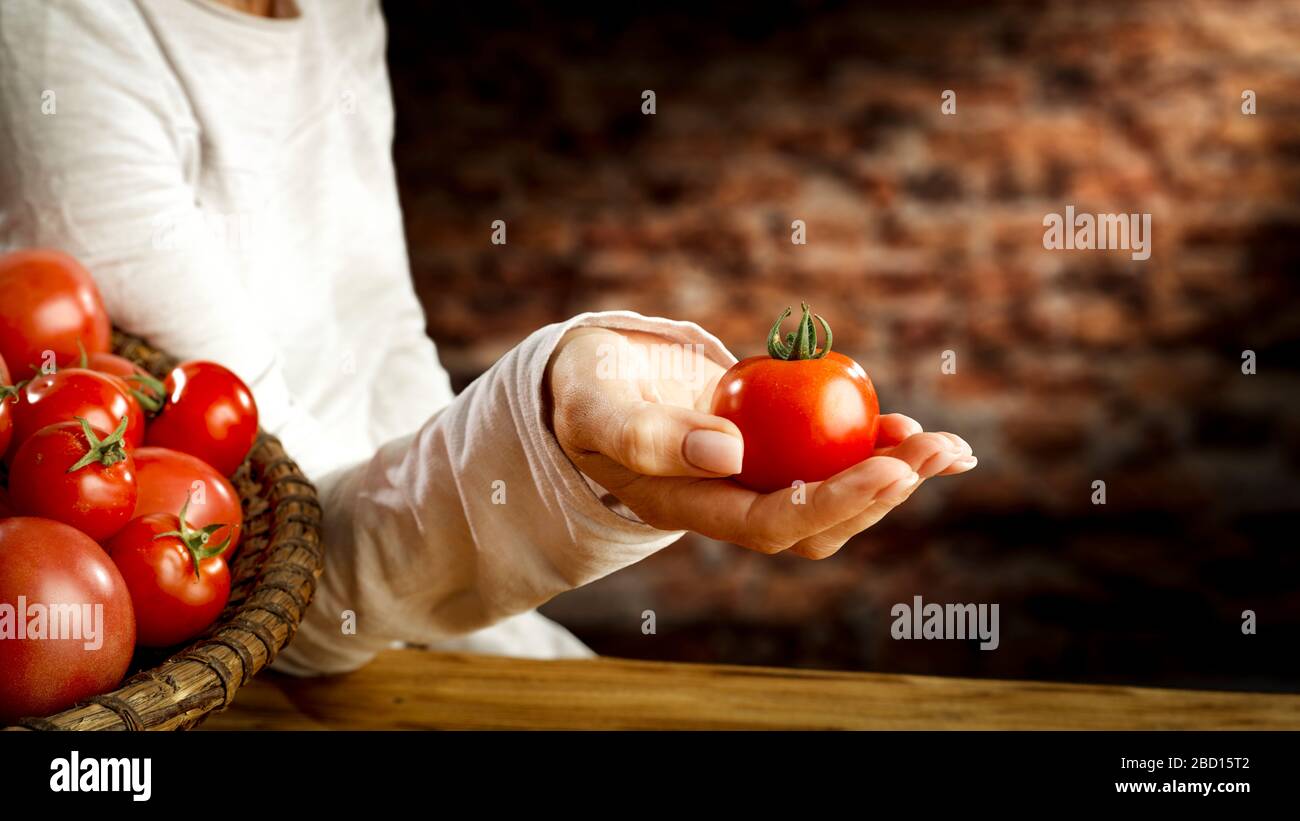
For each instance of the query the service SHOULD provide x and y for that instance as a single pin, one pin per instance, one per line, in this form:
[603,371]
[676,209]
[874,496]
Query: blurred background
[924,235]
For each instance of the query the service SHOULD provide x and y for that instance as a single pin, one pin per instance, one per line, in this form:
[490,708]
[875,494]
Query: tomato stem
[151,398]
[107,452]
[196,541]
[800,344]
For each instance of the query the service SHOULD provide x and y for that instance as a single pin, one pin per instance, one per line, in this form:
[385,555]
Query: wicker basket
[273,577]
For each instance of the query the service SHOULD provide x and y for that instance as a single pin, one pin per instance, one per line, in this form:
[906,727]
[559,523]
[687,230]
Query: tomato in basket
[166,479]
[207,412]
[48,302]
[72,392]
[72,473]
[143,388]
[68,628]
[176,573]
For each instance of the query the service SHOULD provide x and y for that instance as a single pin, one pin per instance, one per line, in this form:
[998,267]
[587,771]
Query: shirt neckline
[252,20]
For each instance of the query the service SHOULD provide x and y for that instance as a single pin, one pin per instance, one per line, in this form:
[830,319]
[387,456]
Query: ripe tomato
[209,413]
[72,473]
[805,413]
[48,302]
[82,644]
[179,584]
[61,397]
[6,509]
[145,391]
[118,366]
[8,396]
[167,478]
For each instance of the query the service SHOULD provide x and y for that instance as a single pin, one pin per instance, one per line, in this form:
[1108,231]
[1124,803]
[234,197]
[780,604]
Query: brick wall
[924,235]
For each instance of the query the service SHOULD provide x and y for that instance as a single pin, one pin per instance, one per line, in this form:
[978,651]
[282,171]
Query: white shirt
[228,181]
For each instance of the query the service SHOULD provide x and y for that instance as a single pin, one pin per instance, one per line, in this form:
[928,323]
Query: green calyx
[151,397]
[150,401]
[196,540]
[9,393]
[799,344]
[107,452]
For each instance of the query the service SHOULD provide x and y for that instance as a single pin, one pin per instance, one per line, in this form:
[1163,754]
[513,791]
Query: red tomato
[61,397]
[6,509]
[8,396]
[209,413]
[118,366]
[145,391]
[805,413]
[47,563]
[167,478]
[48,302]
[179,585]
[77,475]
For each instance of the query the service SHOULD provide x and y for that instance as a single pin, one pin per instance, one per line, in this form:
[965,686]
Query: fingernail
[966,463]
[714,451]
[899,488]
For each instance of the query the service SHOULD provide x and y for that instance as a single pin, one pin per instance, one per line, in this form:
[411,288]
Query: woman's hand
[644,434]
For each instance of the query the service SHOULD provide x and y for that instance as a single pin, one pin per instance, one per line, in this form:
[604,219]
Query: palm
[625,427]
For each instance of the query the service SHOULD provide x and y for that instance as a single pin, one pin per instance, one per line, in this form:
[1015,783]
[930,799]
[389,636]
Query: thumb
[668,440]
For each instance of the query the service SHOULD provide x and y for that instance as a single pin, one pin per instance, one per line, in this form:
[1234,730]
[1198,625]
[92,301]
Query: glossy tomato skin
[6,409]
[111,363]
[166,477]
[98,398]
[801,419]
[96,499]
[51,563]
[209,413]
[171,605]
[48,302]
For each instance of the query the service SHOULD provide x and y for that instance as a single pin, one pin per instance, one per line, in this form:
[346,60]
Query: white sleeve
[476,517]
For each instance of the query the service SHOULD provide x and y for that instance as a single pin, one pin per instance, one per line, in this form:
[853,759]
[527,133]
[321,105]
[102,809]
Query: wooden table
[414,689]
